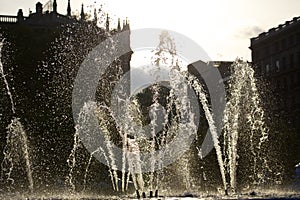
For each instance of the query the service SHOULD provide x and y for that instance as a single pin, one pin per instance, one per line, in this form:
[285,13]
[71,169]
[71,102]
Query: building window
[276,47]
[284,83]
[283,43]
[278,84]
[257,69]
[262,70]
[293,79]
[267,68]
[283,63]
[277,66]
[291,40]
[267,51]
[293,102]
[292,60]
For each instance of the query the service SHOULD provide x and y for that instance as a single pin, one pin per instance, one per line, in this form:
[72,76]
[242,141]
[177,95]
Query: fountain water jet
[243,111]
[242,89]
[213,130]
[16,135]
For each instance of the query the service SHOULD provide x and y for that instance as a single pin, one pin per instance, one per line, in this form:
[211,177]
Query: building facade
[43,16]
[46,16]
[276,58]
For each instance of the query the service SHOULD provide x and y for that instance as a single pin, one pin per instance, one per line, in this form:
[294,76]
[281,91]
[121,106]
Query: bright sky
[223,28]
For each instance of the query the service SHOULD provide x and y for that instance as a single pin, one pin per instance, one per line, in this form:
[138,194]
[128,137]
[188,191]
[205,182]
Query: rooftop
[273,31]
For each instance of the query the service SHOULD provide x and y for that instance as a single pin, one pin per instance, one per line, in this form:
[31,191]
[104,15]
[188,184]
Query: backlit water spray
[212,127]
[16,139]
[244,114]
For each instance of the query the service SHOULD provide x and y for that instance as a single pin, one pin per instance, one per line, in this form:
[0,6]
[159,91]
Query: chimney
[69,8]
[54,6]
[82,15]
[20,16]
[107,23]
[39,8]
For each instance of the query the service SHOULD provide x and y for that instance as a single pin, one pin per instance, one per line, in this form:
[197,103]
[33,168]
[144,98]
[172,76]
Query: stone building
[40,17]
[46,16]
[276,58]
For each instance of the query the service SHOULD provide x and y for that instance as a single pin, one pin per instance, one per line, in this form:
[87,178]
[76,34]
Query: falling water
[5,81]
[154,125]
[243,108]
[231,128]
[89,163]
[103,113]
[131,132]
[133,127]
[166,55]
[212,127]
[86,171]
[72,160]
[103,120]
[90,110]
[134,163]
[242,78]
[124,146]
[16,134]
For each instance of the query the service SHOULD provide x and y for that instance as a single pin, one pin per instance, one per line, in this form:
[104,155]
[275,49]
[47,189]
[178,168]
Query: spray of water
[90,110]
[100,149]
[212,127]
[133,127]
[16,136]
[242,88]
[5,81]
[72,161]
[244,114]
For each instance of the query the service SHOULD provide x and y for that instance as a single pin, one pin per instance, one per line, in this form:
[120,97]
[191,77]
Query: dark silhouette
[41,56]
[276,58]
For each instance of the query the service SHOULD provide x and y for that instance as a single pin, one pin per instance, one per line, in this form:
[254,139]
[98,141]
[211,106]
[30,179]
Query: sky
[223,28]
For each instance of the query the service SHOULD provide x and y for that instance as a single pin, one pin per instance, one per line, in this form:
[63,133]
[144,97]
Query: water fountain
[134,155]
[16,140]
